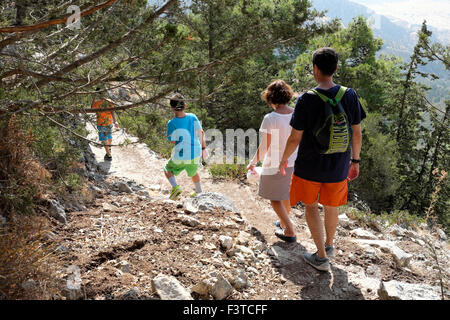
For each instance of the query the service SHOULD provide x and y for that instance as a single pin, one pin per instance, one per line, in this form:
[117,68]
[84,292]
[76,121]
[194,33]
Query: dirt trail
[137,162]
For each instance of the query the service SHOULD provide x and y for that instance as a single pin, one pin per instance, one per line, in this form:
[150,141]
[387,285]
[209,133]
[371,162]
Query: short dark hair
[278,92]
[177,102]
[326,59]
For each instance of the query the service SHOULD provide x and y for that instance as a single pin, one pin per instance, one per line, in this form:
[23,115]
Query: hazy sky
[436,12]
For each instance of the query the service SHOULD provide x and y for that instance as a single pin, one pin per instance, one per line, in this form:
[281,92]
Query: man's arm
[353,172]
[292,143]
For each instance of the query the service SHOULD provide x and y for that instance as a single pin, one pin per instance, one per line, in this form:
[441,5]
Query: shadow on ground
[313,284]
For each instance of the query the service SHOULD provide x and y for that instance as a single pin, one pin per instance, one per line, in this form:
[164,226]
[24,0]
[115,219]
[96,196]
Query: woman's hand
[251,167]
[283,165]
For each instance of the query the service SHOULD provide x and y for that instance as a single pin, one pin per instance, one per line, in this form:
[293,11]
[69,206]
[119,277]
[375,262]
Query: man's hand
[353,171]
[283,165]
[116,125]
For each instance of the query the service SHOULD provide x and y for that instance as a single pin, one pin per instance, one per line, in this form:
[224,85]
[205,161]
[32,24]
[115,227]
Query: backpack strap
[336,99]
[340,93]
[321,96]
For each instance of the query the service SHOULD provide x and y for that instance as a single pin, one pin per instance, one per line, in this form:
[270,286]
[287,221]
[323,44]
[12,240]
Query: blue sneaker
[321,264]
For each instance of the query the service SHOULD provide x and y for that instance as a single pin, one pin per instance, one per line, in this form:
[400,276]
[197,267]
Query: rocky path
[133,243]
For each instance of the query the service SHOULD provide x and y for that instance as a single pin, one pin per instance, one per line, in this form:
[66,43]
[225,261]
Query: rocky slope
[130,242]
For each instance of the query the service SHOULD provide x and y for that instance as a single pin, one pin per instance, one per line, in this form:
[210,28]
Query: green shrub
[229,171]
[150,127]
[370,219]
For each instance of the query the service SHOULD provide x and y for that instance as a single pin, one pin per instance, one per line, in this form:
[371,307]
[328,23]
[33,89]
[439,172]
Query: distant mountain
[399,37]
[398,40]
[436,12]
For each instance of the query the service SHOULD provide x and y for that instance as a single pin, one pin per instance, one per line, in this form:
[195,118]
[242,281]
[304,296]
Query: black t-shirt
[310,165]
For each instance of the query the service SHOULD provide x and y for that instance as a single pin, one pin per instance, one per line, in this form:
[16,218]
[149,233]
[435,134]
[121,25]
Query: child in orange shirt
[105,121]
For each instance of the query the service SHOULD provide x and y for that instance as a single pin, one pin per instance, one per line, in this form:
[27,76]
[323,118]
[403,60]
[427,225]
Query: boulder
[189,207]
[208,201]
[363,234]
[401,258]
[124,266]
[97,192]
[201,288]
[108,207]
[169,288]
[188,221]
[344,221]
[57,211]
[395,290]
[238,279]
[246,252]
[398,231]
[226,242]
[198,237]
[243,238]
[441,234]
[132,294]
[143,193]
[123,187]
[218,286]
[155,187]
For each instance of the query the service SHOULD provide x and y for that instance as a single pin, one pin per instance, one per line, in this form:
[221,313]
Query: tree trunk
[437,150]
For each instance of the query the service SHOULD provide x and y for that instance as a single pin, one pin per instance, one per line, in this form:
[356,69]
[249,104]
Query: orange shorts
[328,194]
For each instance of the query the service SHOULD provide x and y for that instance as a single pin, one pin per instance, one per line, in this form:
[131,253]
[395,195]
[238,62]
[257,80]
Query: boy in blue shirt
[185,131]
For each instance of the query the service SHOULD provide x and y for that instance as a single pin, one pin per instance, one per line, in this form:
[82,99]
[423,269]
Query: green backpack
[333,132]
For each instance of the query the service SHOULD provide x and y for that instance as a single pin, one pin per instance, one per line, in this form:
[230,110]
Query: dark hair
[326,59]
[278,92]
[177,102]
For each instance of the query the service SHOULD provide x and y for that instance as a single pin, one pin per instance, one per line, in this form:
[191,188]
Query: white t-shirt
[277,125]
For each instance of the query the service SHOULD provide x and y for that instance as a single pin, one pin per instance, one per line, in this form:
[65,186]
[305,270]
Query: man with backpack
[326,126]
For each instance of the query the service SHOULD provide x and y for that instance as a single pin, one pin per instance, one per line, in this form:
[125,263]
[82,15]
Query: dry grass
[24,255]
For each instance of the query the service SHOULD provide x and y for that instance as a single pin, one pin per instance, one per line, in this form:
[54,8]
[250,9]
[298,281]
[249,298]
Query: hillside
[130,242]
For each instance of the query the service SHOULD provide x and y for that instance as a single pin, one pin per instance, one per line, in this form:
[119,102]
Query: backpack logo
[333,133]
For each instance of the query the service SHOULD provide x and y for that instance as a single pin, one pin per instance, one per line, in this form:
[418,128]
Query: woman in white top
[275,130]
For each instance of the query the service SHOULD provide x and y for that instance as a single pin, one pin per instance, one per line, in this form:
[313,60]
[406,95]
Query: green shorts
[191,166]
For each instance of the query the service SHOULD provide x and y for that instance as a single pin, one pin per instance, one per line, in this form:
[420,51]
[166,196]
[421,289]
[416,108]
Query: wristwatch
[355,160]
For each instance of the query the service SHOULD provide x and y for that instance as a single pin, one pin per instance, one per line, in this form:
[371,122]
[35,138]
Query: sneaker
[322,264]
[175,193]
[329,250]
[108,157]
[193,194]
